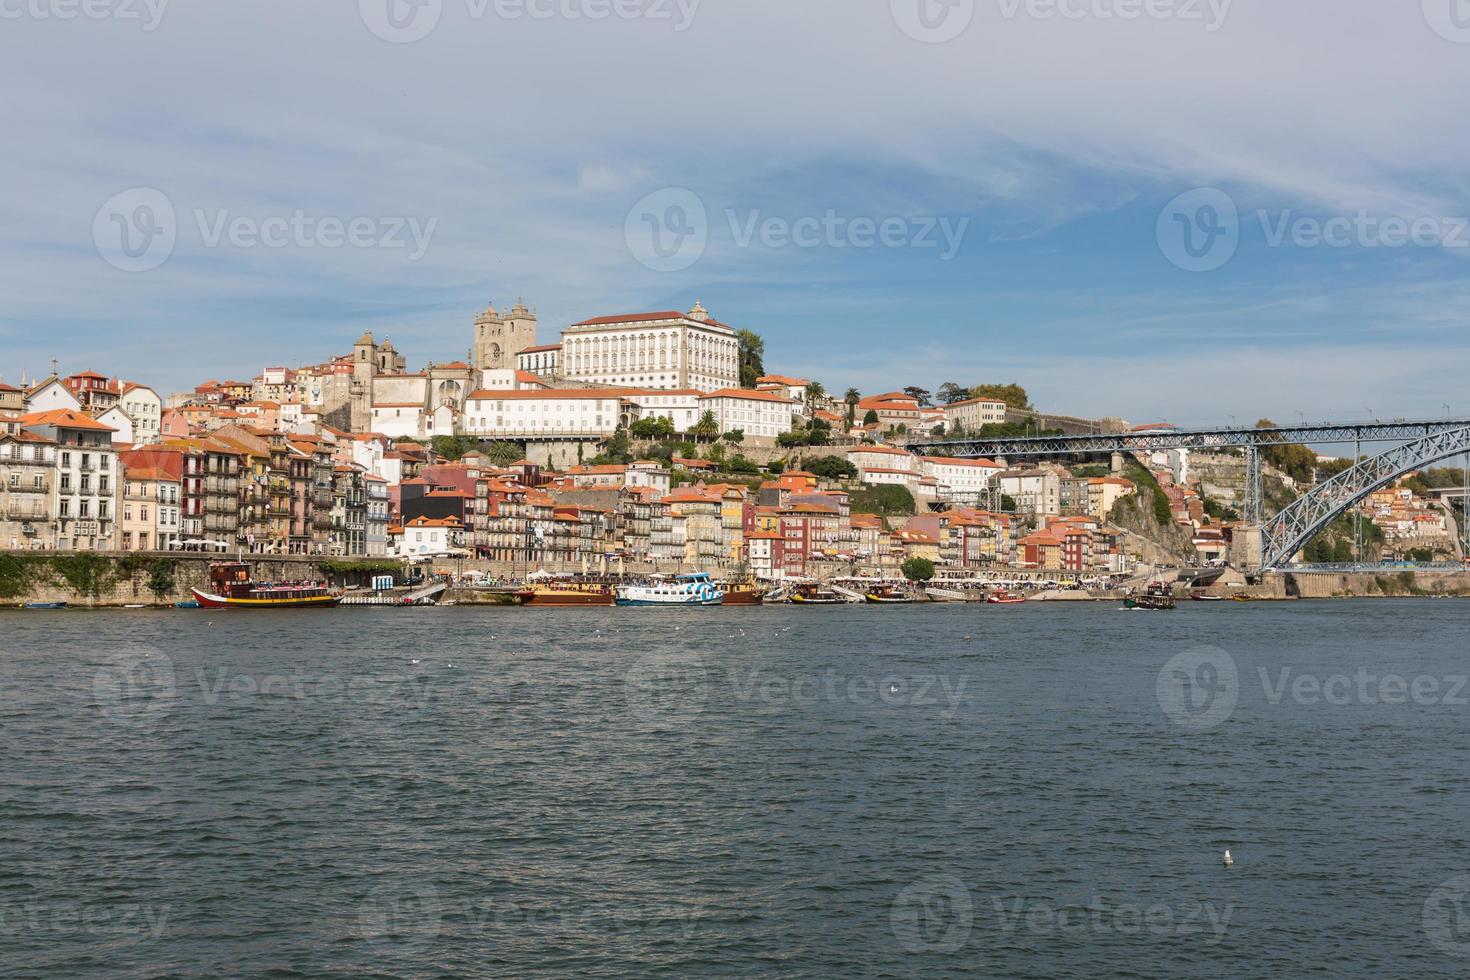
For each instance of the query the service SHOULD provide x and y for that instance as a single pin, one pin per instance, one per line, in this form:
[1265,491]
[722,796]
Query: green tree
[920,395]
[949,393]
[708,427]
[161,579]
[831,468]
[852,398]
[752,357]
[1008,504]
[1013,395]
[502,453]
[454,448]
[814,393]
[617,448]
[742,465]
[884,499]
[654,427]
[917,569]
[735,436]
[870,418]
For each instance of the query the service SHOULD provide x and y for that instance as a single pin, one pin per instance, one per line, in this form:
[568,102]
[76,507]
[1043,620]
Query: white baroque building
[653,350]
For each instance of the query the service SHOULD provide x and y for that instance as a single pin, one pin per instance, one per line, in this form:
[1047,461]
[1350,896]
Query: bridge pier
[1118,464]
[1245,547]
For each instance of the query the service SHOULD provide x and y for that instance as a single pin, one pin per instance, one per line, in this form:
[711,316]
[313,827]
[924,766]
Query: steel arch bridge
[1289,531]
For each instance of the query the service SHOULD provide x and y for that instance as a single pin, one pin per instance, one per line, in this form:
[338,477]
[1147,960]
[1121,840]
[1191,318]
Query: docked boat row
[232,585]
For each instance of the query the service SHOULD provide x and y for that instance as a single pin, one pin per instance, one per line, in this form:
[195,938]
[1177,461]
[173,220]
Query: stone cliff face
[1161,544]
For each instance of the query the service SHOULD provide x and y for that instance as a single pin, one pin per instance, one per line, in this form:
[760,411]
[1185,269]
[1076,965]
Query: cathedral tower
[500,335]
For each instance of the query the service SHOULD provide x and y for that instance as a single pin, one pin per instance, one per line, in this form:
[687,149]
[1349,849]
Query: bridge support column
[1118,463]
[1245,547]
[1254,513]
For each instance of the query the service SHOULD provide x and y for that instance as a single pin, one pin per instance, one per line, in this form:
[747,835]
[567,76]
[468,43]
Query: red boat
[233,587]
[1001,597]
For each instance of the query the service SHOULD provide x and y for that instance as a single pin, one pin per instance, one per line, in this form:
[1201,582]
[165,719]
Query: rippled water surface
[1037,791]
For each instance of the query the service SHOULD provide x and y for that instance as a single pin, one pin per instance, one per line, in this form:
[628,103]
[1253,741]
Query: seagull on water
[1228,859]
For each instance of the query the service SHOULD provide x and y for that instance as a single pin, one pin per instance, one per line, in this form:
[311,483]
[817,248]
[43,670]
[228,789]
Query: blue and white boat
[681,590]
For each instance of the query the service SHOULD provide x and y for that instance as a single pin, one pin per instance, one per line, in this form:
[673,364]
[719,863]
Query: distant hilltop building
[653,350]
[501,335]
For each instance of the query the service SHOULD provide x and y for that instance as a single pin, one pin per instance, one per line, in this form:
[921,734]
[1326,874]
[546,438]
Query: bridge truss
[1289,531]
[1143,442]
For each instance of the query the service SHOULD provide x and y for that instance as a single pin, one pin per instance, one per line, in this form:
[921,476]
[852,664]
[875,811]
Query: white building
[1037,492]
[653,350]
[49,395]
[145,409]
[425,537]
[763,414]
[962,481]
[543,361]
[88,479]
[537,414]
[376,537]
[681,407]
[972,413]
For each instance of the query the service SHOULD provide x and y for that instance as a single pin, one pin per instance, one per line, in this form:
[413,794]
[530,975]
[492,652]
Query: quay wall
[1377,584]
[89,578]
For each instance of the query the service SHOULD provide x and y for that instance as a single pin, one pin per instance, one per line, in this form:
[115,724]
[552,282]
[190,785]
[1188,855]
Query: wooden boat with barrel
[1000,597]
[745,594]
[568,592]
[233,586]
[882,594]
[812,594]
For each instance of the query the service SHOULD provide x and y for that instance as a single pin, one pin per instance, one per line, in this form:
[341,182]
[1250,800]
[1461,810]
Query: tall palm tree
[852,398]
[814,393]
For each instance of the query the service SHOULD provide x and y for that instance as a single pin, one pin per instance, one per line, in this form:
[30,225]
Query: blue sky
[525,150]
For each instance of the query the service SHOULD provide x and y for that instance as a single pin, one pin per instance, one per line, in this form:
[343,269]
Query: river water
[1043,790]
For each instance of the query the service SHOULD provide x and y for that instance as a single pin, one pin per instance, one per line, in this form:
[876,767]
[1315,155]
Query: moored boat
[811,594]
[1000,597]
[232,586]
[745,595]
[571,592]
[681,590]
[887,594]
